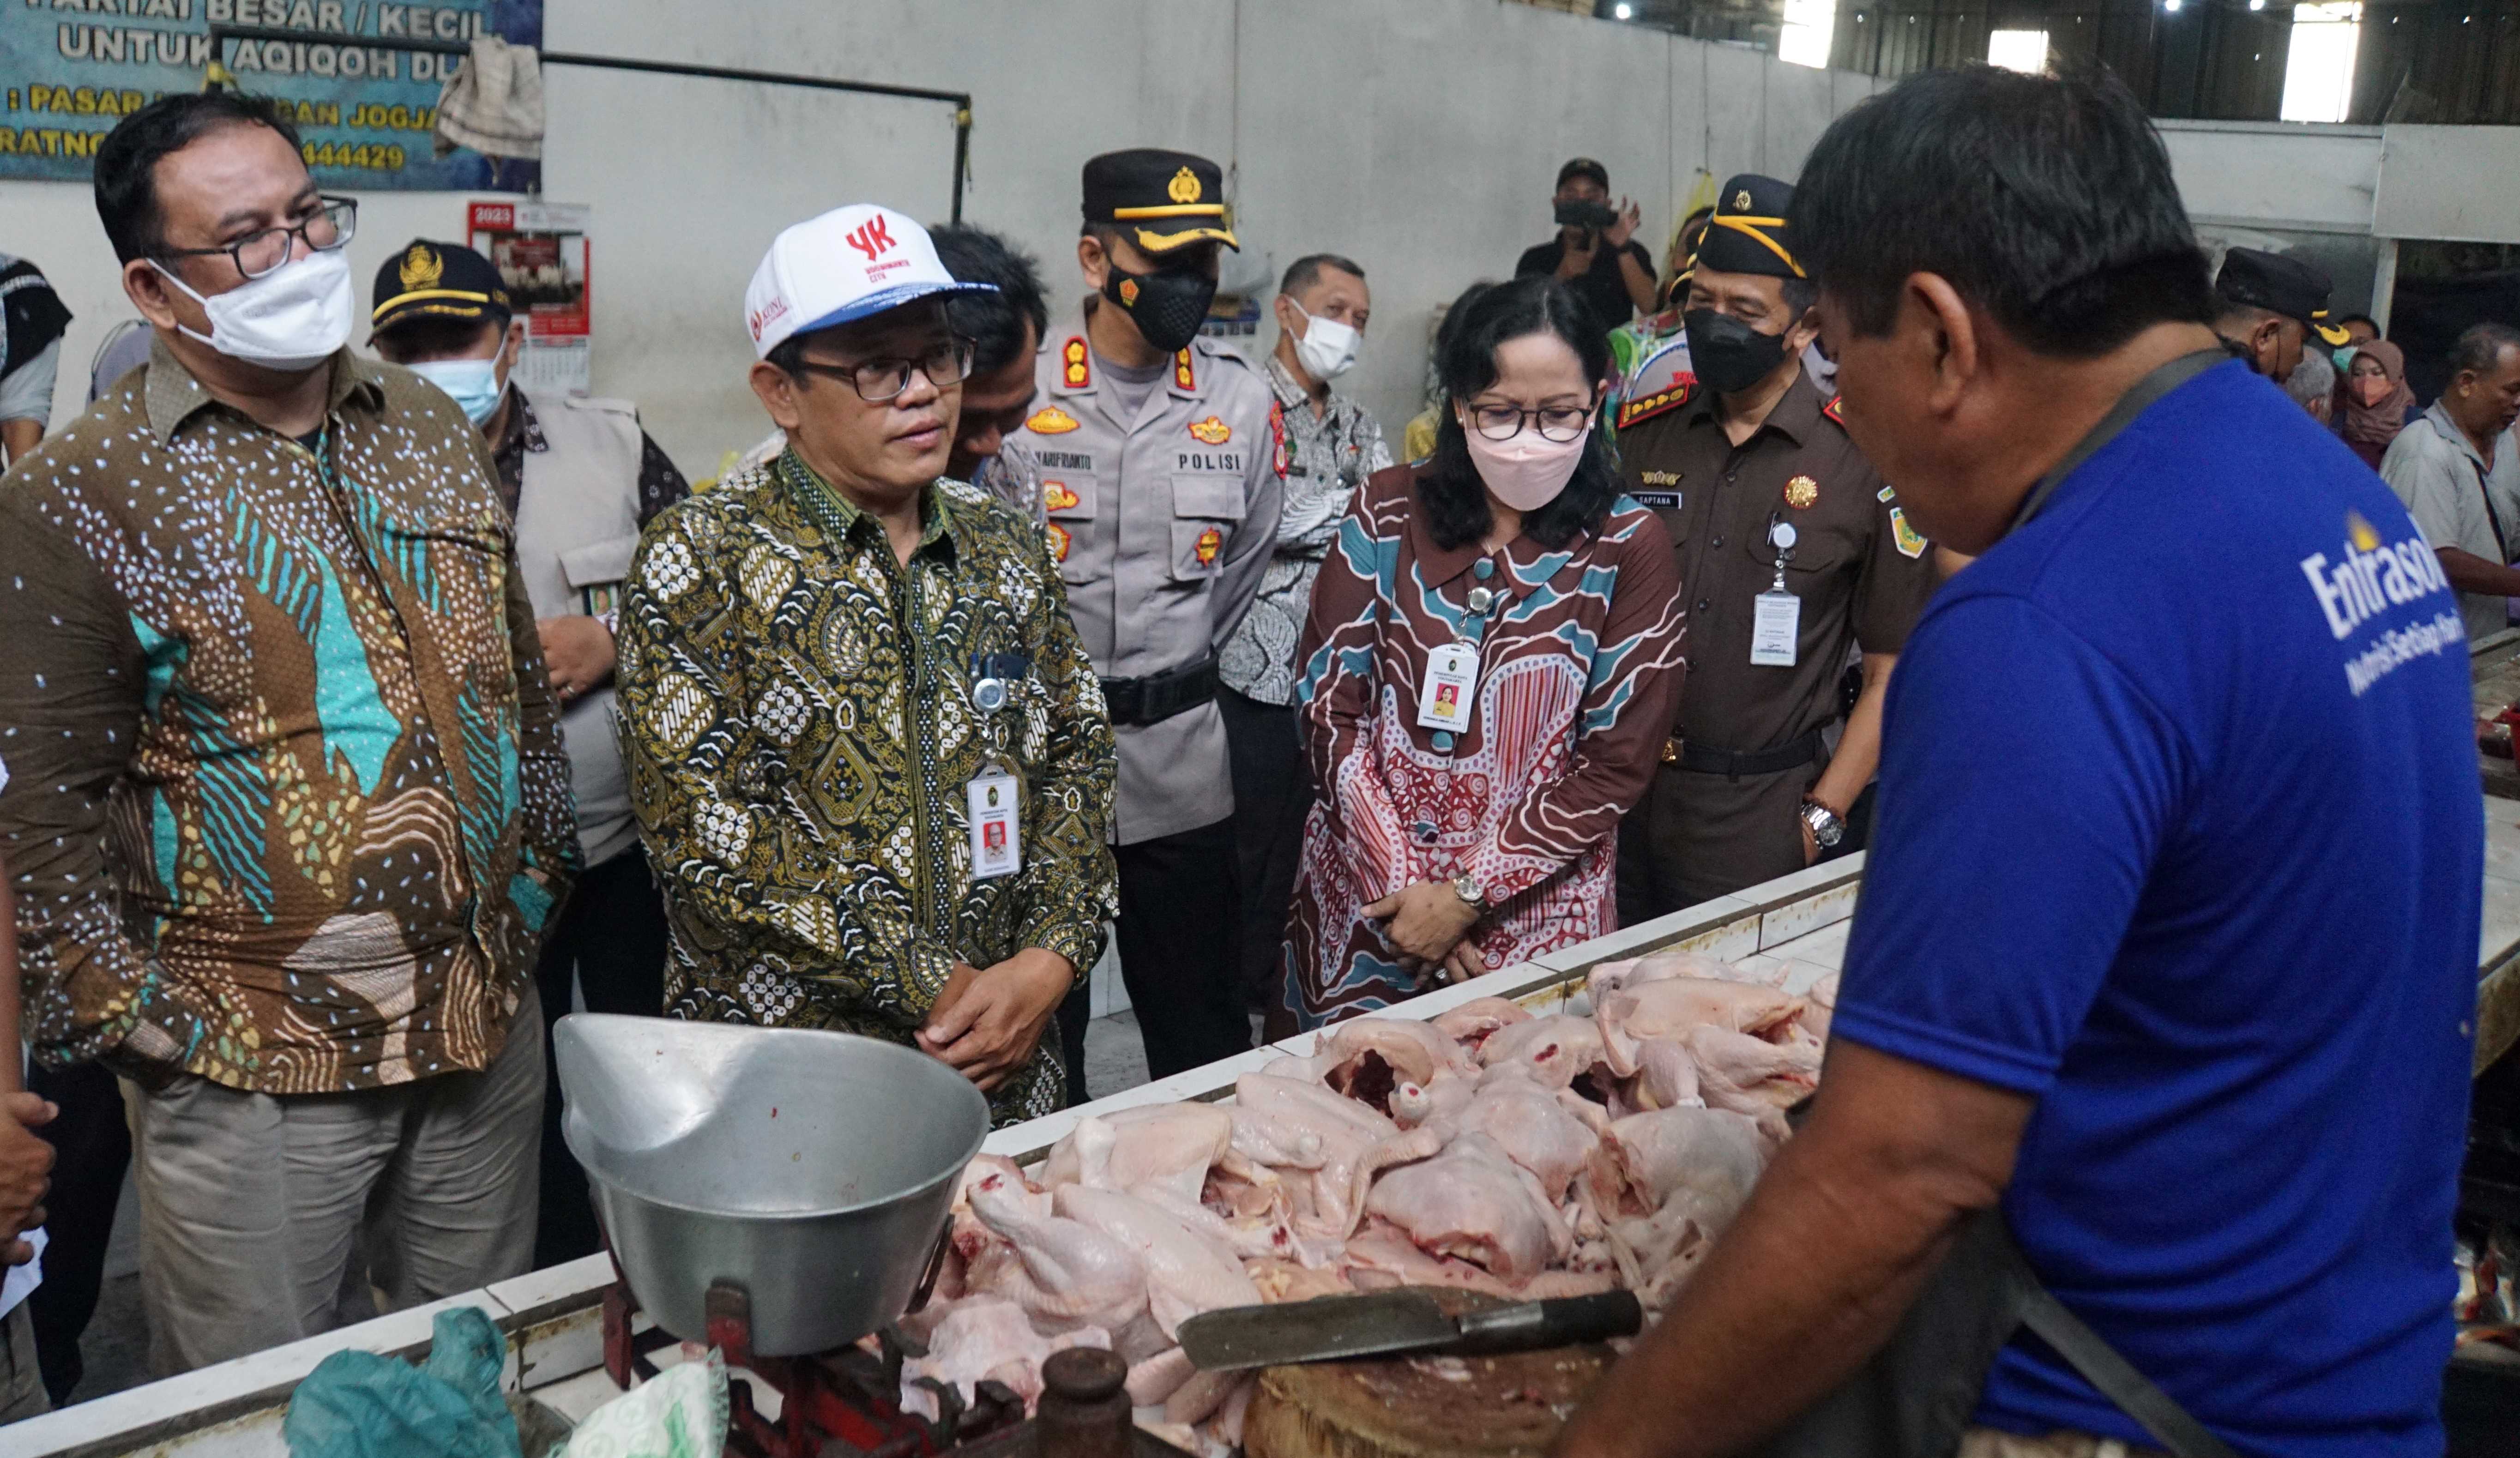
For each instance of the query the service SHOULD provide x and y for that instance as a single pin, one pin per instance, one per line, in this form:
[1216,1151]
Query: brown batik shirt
[287,804]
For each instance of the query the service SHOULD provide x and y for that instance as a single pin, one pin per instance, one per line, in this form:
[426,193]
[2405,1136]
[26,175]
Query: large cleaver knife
[1383,1322]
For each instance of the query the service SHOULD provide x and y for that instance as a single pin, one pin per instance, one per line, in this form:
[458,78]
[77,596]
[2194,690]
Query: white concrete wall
[1420,137]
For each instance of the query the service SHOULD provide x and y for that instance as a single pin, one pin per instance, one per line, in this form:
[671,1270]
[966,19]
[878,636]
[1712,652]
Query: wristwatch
[1468,888]
[1825,828]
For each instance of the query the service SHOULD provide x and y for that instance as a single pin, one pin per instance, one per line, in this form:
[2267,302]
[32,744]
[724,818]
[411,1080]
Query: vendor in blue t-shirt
[2159,995]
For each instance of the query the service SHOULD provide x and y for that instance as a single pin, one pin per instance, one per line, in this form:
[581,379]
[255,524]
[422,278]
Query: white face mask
[1328,348]
[290,319]
[472,383]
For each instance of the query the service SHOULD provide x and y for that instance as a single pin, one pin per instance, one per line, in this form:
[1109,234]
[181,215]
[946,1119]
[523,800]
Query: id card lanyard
[1448,694]
[1776,624]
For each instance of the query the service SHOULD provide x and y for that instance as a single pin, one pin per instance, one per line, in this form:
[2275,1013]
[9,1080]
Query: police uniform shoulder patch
[1059,541]
[1184,373]
[1076,366]
[1836,410]
[1910,541]
[1278,439]
[1050,420]
[1646,407]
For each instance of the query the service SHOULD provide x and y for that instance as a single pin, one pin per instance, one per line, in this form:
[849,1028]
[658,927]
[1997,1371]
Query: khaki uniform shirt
[1162,526]
[1863,574]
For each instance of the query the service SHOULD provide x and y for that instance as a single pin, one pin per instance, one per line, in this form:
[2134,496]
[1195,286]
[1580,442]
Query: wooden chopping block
[1421,1406]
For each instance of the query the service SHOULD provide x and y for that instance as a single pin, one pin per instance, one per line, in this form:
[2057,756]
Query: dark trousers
[91,1149]
[1178,909]
[610,940]
[1695,836]
[1272,792]
[1076,1010]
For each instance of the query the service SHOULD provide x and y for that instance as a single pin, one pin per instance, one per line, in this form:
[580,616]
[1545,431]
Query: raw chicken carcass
[1184,1274]
[1382,1257]
[1560,1048]
[1656,967]
[985,1339]
[1669,1009]
[1169,1145]
[1699,1162]
[1063,1273]
[1472,1202]
[1548,1131]
[1283,1112]
[1735,1070]
[1367,1057]
[1470,1024]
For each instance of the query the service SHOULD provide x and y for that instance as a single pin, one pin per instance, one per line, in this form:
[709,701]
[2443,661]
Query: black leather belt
[1793,753]
[1158,697]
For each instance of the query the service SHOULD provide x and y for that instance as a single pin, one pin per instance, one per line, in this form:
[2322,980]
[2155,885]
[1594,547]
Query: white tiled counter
[553,1317]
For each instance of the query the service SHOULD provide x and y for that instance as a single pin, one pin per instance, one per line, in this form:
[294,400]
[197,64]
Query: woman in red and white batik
[1488,677]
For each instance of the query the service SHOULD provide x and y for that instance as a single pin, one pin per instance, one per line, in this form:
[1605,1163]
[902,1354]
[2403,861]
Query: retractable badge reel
[1775,627]
[994,794]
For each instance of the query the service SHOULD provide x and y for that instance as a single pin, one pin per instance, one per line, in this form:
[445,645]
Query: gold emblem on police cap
[1741,200]
[1184,186]
[422,268]
[1801,492]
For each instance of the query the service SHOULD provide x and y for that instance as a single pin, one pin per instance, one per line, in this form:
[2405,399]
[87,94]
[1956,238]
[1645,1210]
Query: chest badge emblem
[1050,420]
[1802,493]
[1212,430]
[1058,541]
[1210,542]
[1057,495]
[1661,478]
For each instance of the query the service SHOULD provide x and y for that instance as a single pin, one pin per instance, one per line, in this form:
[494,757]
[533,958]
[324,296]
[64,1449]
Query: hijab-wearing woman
[2377,402]
[1487,677]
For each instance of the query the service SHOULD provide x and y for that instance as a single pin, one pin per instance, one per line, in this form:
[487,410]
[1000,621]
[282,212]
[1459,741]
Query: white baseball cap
[850,263]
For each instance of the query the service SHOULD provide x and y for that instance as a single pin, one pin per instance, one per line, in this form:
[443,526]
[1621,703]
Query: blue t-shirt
[2180,833]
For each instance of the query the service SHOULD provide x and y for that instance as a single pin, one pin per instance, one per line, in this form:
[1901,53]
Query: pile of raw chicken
[1488,1149]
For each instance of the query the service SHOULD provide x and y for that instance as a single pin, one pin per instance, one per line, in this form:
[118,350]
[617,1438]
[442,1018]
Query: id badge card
[997,832]
[1452,676]
[1775,629]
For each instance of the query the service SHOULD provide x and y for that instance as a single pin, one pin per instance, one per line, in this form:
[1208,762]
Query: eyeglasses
[948,363]
[258,253]
[1560,423]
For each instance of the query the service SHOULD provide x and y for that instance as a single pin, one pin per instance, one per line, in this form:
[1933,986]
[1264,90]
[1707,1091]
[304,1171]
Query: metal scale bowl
[811,1171]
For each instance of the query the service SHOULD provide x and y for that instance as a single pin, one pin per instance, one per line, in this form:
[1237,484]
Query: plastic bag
[363,1404]
[680,1413]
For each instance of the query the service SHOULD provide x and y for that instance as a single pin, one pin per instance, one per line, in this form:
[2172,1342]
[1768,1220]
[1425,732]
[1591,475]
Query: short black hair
[126,160]
[2479,347]
[425,334]
[1585,167]
[2351,319]
[994,323]
[2045,201]
[1306,271]
[1449,490]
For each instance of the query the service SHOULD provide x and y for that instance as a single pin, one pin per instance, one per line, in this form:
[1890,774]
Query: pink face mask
[1526,471]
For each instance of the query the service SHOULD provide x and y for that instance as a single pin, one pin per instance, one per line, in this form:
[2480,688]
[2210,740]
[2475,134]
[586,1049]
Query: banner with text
[364,113]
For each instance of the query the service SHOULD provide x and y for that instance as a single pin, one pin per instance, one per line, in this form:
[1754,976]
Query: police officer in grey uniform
[580,479]
[1162,477]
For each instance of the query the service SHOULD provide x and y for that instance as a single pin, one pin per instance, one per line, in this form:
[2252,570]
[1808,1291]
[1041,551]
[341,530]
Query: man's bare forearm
[1639,278]
[2469,573]
[1812,1278]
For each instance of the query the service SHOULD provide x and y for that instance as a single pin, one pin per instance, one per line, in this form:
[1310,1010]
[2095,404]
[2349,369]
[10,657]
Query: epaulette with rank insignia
[1074,368]
[1646,407]
[1185,376]
[1834,411]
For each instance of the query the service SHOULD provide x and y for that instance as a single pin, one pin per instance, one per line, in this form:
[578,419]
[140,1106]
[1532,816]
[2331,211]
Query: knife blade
[1383,1323]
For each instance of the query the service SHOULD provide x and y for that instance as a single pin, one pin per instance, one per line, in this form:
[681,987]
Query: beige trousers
[21,1382]
[1991,1443]
[262,1217]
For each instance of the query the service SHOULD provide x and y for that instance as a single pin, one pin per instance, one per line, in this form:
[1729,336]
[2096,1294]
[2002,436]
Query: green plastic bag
[681,1413]
[361,1404]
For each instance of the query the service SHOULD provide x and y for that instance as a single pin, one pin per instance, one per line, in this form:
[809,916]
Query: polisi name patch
[1208,460]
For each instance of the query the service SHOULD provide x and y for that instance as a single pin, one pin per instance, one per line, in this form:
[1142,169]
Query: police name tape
[2399,646]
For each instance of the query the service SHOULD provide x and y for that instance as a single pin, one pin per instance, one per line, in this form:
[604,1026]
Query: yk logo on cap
[873,238]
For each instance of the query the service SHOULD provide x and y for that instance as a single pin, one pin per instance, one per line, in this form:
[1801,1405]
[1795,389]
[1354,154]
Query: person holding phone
[1595,253]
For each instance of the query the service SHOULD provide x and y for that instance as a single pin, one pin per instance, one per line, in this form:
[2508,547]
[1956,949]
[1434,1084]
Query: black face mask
[1168,305]
[1728,356]
[1578,213]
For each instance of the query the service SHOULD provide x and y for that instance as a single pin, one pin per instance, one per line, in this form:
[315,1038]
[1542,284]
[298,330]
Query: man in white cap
[867,751]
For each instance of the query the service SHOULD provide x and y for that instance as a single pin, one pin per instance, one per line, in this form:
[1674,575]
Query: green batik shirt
[798,719]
